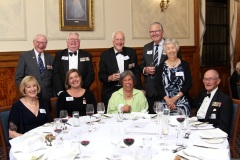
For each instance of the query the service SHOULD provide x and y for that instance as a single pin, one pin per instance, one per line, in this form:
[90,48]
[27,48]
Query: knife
[205,147]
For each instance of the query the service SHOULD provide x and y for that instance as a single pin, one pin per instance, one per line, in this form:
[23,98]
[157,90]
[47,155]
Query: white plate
[214,140]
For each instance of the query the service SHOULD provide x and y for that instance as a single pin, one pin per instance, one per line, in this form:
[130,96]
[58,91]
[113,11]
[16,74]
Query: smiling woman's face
[127,83]
[74,80]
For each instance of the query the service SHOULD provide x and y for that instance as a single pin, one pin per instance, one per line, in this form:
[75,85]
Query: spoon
[178,149]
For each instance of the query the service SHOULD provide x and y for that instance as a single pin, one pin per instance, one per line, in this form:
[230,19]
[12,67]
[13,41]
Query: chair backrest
[235,123]
[4,114]
[53,113]
[229,87]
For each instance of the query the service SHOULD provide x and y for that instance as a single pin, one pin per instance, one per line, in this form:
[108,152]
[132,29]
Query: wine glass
[115,140]
[85,140]
[165,131]
[152,68]
[58,129]
[100,109]
[64,117]
[90,111]
[181,116]
[128,139]
[118,72]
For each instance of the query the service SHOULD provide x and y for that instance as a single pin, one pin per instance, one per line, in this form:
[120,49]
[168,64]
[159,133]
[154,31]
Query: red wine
[58,130]
[89,113]
[180,119]
[85,142]
[64,120]
[128,141]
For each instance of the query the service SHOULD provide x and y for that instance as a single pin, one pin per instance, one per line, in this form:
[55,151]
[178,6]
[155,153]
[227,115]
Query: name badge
[125,57]
[84,59]
[179,73]
[149,52]
[64,58]
[42,111]
[49,67]
[216,104]
[69,98]
[131,65]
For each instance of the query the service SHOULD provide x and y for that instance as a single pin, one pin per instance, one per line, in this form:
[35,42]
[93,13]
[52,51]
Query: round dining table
[33,145]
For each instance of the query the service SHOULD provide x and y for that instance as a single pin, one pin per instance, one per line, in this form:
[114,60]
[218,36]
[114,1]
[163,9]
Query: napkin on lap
[28,142]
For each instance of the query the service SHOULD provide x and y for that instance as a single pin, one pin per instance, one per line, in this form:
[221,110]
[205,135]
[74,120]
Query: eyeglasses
[39,42]
[157,31]
[73,39]
[209,79]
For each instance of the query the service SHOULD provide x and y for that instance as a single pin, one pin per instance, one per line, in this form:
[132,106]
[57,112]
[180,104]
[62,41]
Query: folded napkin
[136,115]
[192,119]
[212,133]
[204,153]
[28,142]
[140,123]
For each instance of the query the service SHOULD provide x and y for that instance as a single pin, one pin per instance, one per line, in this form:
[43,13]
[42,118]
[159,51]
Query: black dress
[22,118]
[69,103]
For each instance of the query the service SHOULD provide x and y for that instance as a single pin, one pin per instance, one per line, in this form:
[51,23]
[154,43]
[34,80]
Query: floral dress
[173,80]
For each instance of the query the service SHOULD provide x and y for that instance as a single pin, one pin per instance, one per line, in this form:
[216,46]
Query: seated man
[235,81]
[212,105]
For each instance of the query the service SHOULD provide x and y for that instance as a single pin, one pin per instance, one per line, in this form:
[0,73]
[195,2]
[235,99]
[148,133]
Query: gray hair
[125,74]
[170,41]
[113,34]
[157,24]
[73,33]
[35,37]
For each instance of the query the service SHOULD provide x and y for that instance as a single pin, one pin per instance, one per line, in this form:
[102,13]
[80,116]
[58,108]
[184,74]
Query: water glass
[76,122]
[147,147]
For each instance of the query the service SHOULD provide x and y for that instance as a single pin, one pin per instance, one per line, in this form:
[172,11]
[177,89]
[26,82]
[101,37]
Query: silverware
[205,147]
[178,149]
[39,157]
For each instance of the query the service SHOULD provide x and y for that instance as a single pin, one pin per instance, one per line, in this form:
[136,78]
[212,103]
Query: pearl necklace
[174,63]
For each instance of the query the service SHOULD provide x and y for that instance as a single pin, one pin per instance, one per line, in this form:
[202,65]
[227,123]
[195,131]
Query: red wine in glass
[180,119]
[89,113]
[85,142]
[58,130]
[128,141]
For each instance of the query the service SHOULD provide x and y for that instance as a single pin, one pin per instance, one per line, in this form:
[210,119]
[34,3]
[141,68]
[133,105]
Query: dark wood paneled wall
[8,62]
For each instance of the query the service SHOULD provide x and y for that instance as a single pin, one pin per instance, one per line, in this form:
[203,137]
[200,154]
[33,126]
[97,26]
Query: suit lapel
[80,67]
[65,62]
[114,60]
[33,59]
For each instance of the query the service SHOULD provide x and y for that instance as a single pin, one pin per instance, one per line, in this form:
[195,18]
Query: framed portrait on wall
[76,15]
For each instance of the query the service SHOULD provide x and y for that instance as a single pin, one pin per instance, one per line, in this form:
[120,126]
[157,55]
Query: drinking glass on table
[64,117]
[100,108]
[115,140]
[85,141]
[165,131]
[90,111]
[181,116]
[58,129]
[128,139]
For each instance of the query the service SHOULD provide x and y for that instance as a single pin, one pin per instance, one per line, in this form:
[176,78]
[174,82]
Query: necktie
[119,53]
[71,53]
[155,56]
[40,64]
[208,94]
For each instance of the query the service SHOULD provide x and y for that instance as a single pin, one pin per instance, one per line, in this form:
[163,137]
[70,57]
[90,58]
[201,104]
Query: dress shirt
[41,55]
[205,104]
[73,60]
[120,61]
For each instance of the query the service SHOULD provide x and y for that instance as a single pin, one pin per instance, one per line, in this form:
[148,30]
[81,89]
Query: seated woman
[75,98]
[128,98]
[29,112]
[173,78]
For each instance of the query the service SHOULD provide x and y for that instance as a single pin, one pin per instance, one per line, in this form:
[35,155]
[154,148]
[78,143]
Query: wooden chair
[229,87]
[53,113]
[4,114]
[235,127]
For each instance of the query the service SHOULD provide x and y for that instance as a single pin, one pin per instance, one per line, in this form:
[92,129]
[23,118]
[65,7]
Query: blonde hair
[25,81]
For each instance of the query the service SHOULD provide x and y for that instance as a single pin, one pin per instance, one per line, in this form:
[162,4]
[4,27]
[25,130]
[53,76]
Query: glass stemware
[165,131]
[85,140]
[64,117]
[90,112]
[100,109]
[152,68]
[118,72]
[115,140]
[180,116]
[128,140]
[58,129]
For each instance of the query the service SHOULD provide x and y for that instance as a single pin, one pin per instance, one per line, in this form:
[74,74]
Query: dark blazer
[235,77]
[223,113]
[186,86]
[108,65]
[61,66]
[147,59]
[27,65]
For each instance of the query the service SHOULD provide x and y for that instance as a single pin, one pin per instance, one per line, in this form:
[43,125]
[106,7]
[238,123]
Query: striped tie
[41,66]
[155,56]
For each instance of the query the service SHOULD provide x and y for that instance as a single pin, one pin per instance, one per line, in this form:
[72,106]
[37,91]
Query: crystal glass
[115,140]
[165,131]
[152,68]
[85,141]
[90,112]
[100,108]
[64,118]
[128,140]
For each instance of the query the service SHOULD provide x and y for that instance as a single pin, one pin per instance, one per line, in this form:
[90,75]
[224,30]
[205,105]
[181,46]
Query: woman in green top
[127,98]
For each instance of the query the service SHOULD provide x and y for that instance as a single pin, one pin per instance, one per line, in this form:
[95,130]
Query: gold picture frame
[76,15]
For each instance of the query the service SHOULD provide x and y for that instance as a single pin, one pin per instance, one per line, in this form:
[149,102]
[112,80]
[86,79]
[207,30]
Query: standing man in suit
[69,58]
[30,62]
[152,56]
[212,105]
[114,61]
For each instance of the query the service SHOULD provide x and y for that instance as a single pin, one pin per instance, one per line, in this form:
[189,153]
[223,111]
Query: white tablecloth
[100,146]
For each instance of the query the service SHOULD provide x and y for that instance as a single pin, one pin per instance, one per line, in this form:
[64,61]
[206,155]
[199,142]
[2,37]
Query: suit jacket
[27,65]
[223,113]
[235,77]
[147,60]
[61,66]
[108,65]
